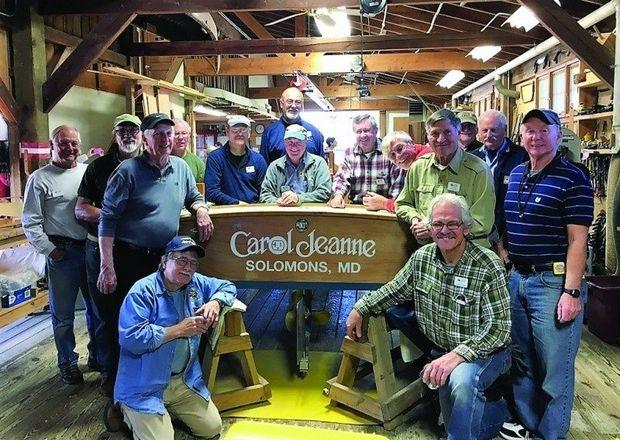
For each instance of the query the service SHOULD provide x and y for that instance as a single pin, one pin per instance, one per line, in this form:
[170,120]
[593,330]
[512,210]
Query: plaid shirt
[463,308]
[361,172]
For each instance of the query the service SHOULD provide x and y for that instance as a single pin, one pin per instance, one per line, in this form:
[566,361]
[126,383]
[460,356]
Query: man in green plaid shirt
[462,307]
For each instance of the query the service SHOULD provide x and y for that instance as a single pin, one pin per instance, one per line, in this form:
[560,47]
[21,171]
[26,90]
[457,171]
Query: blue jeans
[65,279]
[466,412]
[104,355]
[544,352]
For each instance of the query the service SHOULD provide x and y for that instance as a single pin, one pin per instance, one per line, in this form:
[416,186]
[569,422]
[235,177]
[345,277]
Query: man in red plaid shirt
[366,173]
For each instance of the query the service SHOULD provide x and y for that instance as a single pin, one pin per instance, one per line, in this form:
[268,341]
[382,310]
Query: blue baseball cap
[182,243]
[549,117]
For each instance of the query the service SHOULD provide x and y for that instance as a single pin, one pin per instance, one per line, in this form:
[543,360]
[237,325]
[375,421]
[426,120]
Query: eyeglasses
[127,131]
[68,144]
[181,134]
[452,226]
[183,262]
[238,130]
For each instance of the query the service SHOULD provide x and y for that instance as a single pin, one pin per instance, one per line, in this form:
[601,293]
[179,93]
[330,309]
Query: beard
[129,147]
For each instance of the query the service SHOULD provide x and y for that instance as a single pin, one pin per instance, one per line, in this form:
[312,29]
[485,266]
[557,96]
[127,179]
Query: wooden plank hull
[306,244]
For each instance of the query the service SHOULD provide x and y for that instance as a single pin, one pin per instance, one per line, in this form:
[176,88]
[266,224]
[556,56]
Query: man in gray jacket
[298,177]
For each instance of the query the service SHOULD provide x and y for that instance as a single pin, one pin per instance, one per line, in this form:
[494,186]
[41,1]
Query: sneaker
[72,375]
[113,418]
[93,365]
[514,431]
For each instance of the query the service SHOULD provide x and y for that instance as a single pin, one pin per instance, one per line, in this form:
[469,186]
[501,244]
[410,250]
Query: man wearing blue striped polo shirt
[549,208]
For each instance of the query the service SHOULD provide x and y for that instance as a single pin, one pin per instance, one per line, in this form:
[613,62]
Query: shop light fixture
[451,78]
[525,18]
[332,22]
[484,53]
[208,110]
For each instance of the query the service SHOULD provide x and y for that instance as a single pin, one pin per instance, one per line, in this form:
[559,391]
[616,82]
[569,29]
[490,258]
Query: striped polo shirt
[538,207]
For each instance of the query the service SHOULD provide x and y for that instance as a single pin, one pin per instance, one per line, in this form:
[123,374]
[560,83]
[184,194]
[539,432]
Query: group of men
[109,230]
[474,312]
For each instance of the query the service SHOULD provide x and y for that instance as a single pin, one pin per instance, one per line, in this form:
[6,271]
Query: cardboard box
[17,297]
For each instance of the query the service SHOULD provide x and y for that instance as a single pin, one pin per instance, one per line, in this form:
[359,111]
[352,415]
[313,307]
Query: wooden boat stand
[235,340]
[392,404]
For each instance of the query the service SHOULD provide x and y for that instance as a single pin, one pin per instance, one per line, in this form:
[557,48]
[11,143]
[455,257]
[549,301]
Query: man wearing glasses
[462,319]
[235,172]
[140,214]
[182,138]
[272,140]
[127,144]
[161,323]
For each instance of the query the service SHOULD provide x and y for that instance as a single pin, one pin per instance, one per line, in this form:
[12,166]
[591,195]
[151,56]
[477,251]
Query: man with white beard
[127,143]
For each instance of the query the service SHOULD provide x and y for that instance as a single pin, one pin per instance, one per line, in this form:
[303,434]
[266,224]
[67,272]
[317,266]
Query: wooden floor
[36,405]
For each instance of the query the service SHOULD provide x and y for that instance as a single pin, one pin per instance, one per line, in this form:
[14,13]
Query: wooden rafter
[569,32]
[254,25]
[348,91]
[69,7]
[91,48]
[8,106]
[444,40]
[318,63]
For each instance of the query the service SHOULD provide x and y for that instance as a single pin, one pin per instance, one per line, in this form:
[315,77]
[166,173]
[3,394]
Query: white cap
[239,119]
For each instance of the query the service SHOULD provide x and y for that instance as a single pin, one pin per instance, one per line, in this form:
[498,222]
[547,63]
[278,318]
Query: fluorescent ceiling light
[524,17]
[208,110]
[484,53]
[451,78]
[332,22]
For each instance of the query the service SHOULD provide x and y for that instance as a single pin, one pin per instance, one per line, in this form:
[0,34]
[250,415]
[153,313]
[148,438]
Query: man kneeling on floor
[462,308]
[161,322]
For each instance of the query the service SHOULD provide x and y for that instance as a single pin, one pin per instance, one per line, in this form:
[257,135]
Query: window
[543,92]
[574,91]
[558,97]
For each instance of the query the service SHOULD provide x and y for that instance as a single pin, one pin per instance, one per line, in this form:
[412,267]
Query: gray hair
[359,118]
[446,114]
[60,128]
[496,115]
[386,142]
[454,200]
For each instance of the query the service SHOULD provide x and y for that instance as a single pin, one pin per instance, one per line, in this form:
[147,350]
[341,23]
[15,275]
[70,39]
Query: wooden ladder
[235,340]
[392,402]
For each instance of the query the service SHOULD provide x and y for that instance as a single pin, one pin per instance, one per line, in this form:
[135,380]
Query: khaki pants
[202,417]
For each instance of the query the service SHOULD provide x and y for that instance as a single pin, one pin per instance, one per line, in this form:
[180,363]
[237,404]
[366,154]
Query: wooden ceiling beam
[8,106]
[315,64]
[85,54]
[61,38]
[72,7]
[411,41]
[348,91]
[570,33]
[255,26]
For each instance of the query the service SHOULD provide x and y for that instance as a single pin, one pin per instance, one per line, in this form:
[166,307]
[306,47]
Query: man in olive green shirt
[182,136]
[449,169]
[461,310]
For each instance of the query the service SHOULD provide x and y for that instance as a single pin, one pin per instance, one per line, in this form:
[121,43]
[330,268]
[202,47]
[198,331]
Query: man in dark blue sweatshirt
[235,172]
[272,140]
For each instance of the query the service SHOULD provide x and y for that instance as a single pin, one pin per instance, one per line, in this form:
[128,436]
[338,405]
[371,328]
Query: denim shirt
[145,362]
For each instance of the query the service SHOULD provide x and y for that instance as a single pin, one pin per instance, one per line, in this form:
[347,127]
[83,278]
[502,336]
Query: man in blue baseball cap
[161,322]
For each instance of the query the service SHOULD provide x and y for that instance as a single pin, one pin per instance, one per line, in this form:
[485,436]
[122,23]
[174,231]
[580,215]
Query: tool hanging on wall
[598,165]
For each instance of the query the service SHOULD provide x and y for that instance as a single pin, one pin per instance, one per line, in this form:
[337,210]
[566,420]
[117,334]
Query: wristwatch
[572,292]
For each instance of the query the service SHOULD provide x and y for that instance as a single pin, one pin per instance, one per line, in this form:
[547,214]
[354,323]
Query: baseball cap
[182,243]
[126,118]
[296,131]
[549,117]
[468,117]
[153,119]
[239,119]
[443,113]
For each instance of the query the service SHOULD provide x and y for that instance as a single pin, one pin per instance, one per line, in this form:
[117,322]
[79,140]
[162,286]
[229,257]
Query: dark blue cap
[182,243]
[549,117]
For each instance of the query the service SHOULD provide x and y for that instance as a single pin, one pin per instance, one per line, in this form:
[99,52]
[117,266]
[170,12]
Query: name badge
[559,268]
[249,169]
[453,186]
[380,181]
[506,180]
[460,282]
